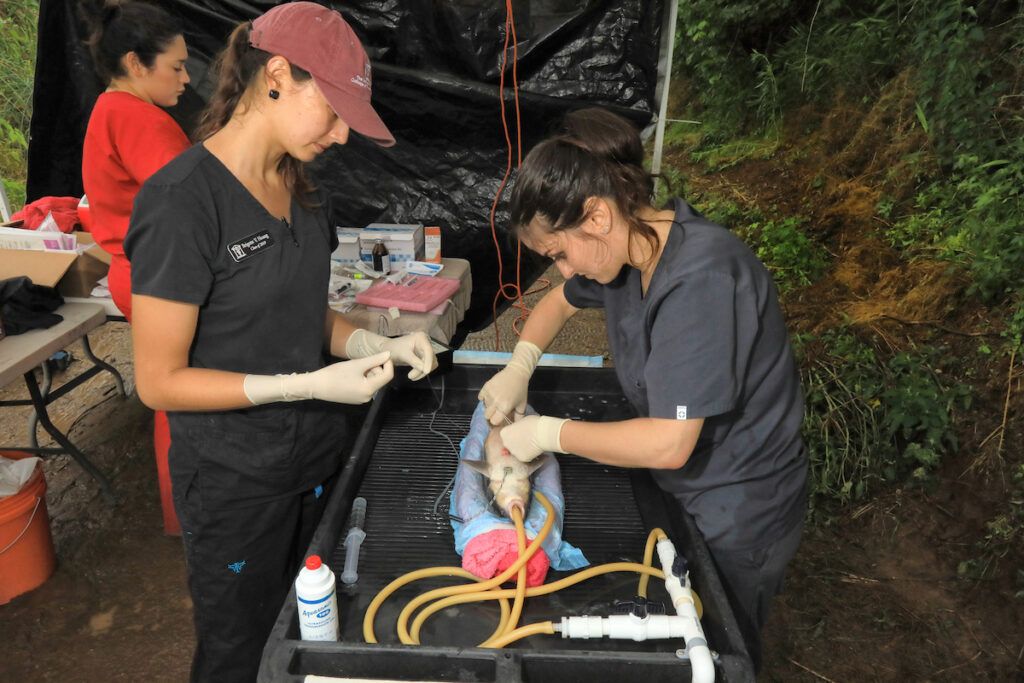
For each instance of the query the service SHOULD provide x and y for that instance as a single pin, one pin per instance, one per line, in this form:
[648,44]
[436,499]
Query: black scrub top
[198,236]
[708,340]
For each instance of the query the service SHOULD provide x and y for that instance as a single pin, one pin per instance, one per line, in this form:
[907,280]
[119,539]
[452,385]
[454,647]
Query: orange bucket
[26,548]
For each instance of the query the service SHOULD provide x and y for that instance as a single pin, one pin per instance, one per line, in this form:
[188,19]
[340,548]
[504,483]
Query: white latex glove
[413,349]
[352,381]
[505,393]
[533,435]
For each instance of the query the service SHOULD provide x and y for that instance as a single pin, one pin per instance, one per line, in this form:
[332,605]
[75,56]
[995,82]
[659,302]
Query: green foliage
[751,62]
[973,218]
[669,185]
[681,134]
[919,231]
[720,156]
[784,247]
[1014,332]
[766,91]
[726,212]
[870,419]
[708,33]
[17,72]
[1004,535]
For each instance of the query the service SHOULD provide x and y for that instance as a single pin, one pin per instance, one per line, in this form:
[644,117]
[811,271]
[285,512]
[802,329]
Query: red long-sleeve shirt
[126,142]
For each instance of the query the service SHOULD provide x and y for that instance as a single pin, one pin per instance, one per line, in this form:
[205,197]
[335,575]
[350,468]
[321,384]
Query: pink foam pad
[416,293]
[492,552]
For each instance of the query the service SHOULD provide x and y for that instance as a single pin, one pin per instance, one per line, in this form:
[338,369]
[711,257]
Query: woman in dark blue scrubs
[230,251]
[699,345]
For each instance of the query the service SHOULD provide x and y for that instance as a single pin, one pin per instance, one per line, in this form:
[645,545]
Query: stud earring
[273,94]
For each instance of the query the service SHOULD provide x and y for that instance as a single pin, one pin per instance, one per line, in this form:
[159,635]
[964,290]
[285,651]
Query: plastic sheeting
[437,67]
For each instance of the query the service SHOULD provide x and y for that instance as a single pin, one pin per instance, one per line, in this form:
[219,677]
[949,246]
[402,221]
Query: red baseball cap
[319,40]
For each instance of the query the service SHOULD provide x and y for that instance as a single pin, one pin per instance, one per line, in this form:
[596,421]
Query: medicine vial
[317,600]
[381,258]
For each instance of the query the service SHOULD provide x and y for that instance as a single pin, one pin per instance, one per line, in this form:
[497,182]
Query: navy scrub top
[199,237]
[708,341]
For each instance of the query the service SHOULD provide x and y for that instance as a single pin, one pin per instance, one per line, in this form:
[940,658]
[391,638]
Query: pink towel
[417,293]
[492,552]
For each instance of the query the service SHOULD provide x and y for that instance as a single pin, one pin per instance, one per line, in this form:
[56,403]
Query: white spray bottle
[317,600]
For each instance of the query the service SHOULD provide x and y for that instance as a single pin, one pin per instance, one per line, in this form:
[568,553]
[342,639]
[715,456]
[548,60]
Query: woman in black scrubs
[699,344]
[230,251]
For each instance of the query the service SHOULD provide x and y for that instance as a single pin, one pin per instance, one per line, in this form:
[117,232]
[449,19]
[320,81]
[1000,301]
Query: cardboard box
[347,252]
[72,274]
[432,244]
[88,269]
[404,241]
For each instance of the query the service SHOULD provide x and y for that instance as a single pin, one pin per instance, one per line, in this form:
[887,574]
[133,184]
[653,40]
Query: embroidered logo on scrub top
[253,244]
[680,412]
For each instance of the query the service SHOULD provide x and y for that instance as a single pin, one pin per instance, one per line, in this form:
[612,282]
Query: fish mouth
[516,503]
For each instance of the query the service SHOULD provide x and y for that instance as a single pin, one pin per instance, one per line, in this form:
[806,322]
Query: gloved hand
[532,435]
[505,393]
[352,381]
[413,349]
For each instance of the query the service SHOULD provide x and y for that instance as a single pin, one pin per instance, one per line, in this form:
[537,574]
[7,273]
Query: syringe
[353,540]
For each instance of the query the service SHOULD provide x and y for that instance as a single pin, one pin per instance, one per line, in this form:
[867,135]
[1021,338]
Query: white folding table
[21,354]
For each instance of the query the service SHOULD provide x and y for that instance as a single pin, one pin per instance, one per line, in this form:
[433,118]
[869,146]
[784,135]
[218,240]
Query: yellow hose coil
[489,589]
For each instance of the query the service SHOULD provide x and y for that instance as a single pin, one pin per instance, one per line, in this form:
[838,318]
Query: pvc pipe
[624,627]
[678,587]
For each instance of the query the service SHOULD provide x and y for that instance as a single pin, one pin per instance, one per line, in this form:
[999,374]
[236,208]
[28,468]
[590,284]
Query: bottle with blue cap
[317,600]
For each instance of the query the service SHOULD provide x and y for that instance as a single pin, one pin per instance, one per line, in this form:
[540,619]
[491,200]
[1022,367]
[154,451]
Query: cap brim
[357,113]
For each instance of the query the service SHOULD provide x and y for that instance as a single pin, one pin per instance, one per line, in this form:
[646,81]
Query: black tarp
[437,67]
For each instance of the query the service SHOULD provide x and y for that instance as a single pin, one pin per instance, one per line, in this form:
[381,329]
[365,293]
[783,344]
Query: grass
[873,419]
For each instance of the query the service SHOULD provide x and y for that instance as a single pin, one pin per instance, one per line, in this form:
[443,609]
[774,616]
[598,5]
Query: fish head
[508,477]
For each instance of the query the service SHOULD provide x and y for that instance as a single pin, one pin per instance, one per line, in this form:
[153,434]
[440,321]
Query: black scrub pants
[241,564]
[752,578]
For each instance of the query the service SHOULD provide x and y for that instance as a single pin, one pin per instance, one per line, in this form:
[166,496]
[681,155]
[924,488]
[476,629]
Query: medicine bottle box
[404,241]
[347,252]
[432,244]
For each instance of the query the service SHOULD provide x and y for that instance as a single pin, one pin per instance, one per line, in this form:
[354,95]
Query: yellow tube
[523,632]
[509,620]
[517,605]
[480,590]
[426,573]
[534,591]
[652,538]
[403,618]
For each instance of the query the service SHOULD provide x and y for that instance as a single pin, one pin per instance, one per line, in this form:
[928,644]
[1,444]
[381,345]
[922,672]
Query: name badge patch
[253,244]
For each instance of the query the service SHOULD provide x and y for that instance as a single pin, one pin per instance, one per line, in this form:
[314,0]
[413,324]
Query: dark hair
[605,134]
[598,154]
[117,28]
[238,67]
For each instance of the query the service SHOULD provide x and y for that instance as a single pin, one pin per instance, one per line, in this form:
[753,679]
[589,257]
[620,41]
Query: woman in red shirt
[138,49]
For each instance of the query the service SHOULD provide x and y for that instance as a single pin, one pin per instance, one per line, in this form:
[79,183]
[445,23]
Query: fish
[508,477]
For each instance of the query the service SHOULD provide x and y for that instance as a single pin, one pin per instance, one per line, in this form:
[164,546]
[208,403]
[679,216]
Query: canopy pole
[668,40]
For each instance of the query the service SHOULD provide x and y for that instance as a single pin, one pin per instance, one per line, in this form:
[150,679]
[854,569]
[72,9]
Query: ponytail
[237,69]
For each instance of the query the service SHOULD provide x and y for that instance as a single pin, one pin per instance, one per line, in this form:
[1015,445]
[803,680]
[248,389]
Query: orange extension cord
[510,291]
